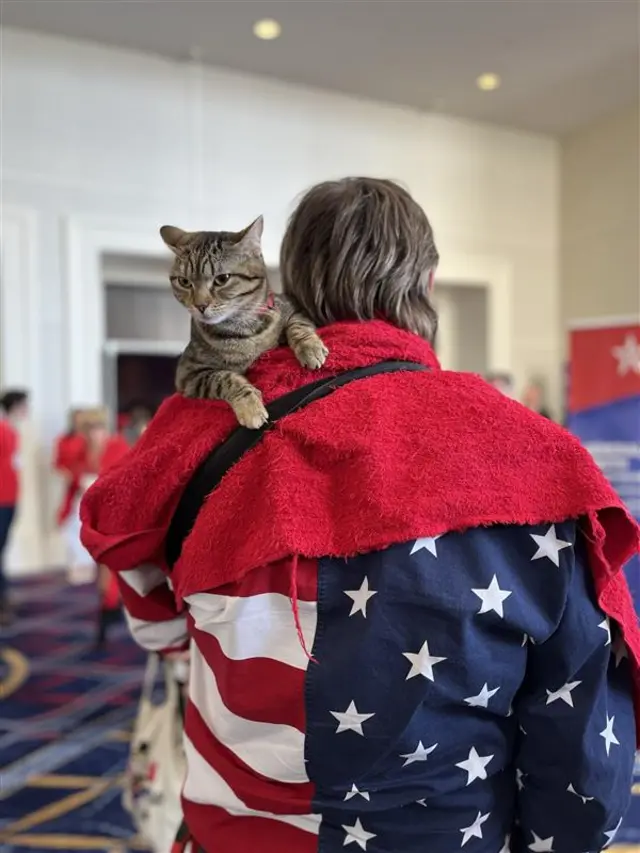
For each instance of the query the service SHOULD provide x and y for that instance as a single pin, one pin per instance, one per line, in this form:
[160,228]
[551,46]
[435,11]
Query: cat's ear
[175,238]
[250,237]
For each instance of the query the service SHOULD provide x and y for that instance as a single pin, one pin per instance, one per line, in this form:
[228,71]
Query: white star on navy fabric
[492,598]
[419,754]
[426,544]
[357,834]
[422,663]
[354,792]
[606,627]
[360,598]
[351,719]
[520,779]
[573,791]
[541,845]
[507,845]
[564,693]
[549,546]
[475,766]
[608,735]
[627,355]
[482,699]
[620,650]
[475,830]
[422,803]
[610,836]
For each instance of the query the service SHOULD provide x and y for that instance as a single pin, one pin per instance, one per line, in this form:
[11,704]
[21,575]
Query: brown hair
[361,248]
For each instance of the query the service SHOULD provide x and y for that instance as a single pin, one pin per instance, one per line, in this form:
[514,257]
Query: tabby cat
[221,279]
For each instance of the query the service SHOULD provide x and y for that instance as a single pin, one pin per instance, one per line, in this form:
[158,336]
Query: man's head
[139,412]
[15,403]
[534,396]
[95,425]
[360,249]
[503,382]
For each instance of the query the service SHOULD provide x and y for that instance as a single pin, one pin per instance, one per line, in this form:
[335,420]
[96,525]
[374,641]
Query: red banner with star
[604,406]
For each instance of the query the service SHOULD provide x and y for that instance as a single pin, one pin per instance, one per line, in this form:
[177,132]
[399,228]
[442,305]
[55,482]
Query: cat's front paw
[250,411]
[311,353]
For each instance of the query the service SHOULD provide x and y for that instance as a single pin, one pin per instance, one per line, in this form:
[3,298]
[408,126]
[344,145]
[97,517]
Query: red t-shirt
[115,449]
[8,464]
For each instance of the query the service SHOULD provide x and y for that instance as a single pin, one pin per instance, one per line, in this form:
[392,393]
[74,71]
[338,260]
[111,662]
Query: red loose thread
[296,609]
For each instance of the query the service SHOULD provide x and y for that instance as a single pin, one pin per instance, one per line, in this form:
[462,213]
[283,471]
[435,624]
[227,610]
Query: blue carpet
[65,717]
[65,721]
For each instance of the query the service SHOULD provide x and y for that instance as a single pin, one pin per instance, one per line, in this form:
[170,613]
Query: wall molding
[20,367]
[85,242]
[59,183]
[19,364]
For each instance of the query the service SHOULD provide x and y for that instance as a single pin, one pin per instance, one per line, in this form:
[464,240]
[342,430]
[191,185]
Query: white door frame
[87,240]
[122,346]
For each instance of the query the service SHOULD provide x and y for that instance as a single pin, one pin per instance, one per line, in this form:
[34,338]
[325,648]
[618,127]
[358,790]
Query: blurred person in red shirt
[69,451]
[13,407]
[102,451]
[72,462]
[80,455]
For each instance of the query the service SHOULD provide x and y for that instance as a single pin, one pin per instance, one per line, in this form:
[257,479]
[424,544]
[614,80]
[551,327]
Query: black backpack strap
[216,464]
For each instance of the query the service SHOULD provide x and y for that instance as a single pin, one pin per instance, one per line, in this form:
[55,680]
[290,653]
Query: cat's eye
[184,282]
[223,278]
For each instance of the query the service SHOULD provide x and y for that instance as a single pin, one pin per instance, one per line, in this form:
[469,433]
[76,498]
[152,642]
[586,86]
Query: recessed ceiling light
[488,82]
[267,29]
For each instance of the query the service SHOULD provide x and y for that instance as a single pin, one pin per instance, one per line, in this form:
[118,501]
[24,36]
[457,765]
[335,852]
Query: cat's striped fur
[221,279]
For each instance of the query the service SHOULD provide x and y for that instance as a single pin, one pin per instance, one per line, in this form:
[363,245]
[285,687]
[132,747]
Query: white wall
[128,142]
[601,219]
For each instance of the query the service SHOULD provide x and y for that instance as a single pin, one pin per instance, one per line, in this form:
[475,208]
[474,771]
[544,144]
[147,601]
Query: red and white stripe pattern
[245,725]
[150,610]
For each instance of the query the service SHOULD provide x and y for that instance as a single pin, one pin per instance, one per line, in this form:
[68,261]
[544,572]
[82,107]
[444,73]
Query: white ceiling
[564,63]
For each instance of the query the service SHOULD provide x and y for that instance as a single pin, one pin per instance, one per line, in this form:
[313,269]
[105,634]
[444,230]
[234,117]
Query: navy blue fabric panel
[432,657]
[575,759]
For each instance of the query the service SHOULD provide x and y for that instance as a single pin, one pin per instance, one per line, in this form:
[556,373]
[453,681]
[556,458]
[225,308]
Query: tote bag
[157,766]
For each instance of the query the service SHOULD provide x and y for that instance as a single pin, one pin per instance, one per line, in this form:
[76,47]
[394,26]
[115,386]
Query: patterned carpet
[65,716]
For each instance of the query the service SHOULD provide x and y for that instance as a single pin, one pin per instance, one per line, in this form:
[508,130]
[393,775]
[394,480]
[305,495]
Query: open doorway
[146,330]
[137,374]
[144,376]
[462,342]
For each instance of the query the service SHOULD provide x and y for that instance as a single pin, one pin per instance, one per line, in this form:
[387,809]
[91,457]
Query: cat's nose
[201,308]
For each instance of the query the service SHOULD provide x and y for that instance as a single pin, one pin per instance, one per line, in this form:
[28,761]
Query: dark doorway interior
[144,378]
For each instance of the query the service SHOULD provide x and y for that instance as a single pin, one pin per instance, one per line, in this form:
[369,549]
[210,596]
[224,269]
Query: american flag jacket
[459,674]
[463,691]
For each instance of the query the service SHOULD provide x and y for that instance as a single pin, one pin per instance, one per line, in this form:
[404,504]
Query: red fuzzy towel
[381,461]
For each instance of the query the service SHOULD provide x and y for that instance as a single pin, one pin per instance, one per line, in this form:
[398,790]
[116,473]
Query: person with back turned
[410,629]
